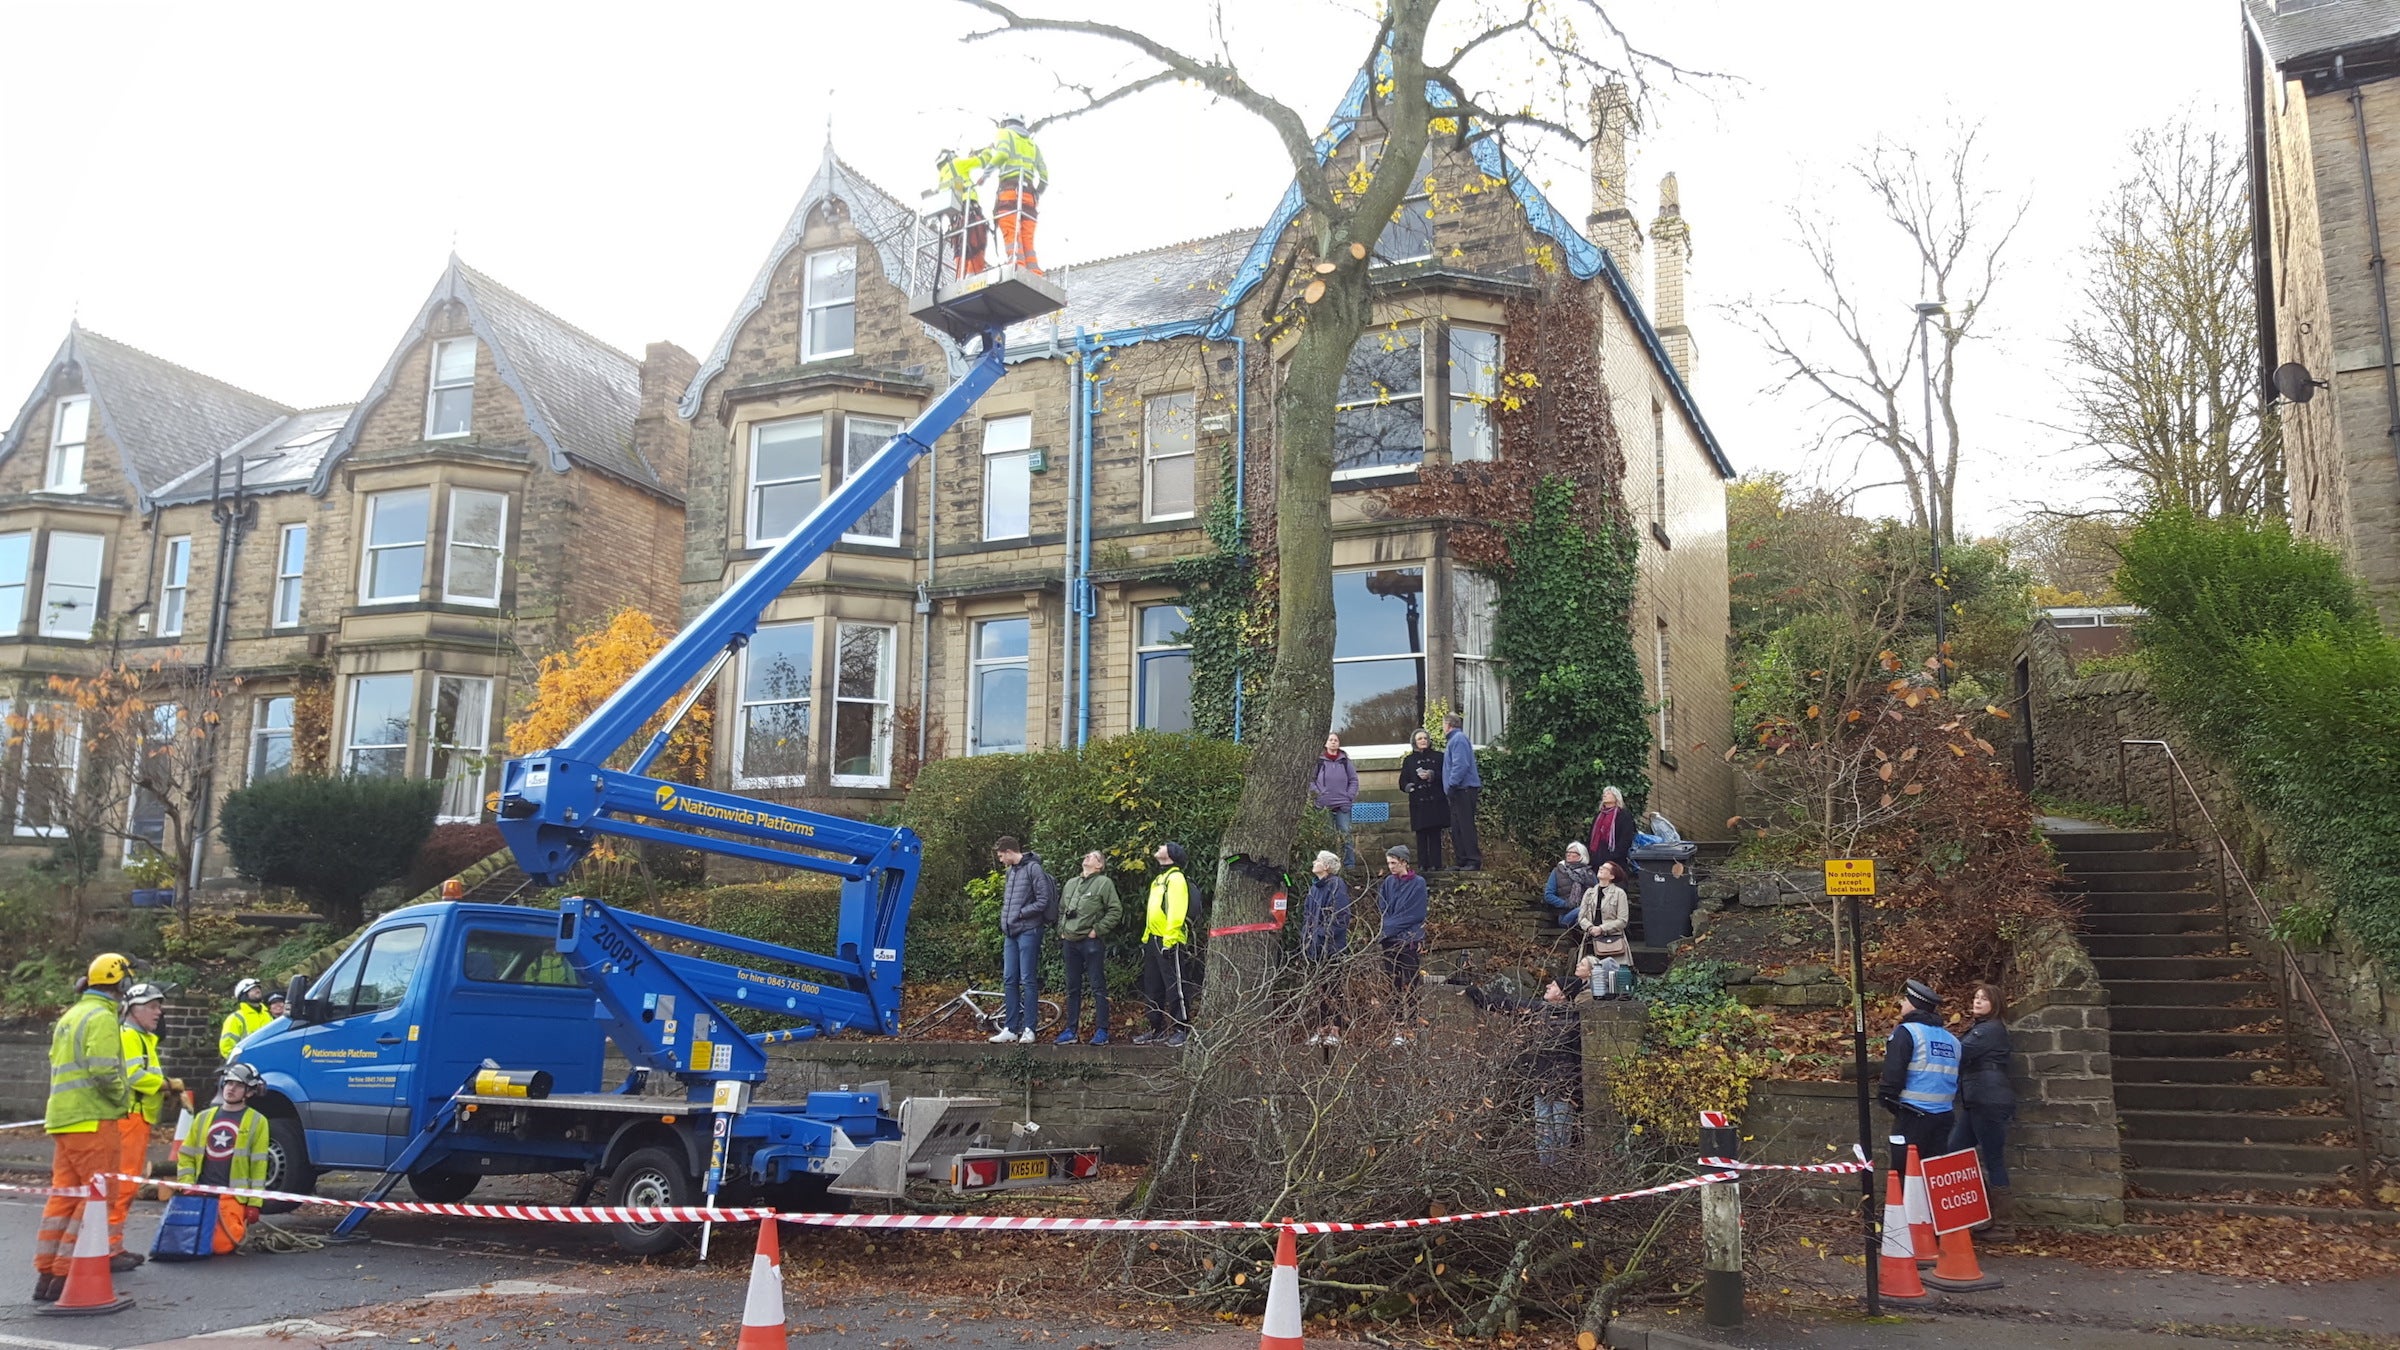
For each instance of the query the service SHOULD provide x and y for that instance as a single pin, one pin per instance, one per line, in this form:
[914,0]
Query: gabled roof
[885,220]
[1174,284]
[282,456]
[162,417]
[2291,31]
[581,395]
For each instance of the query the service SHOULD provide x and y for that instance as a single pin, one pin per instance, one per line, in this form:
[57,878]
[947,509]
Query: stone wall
[1115,1096]
[2076,725]
[187,1040]
[2063,1149]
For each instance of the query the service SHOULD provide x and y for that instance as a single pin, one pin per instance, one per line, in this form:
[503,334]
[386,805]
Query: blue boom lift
[454,1041]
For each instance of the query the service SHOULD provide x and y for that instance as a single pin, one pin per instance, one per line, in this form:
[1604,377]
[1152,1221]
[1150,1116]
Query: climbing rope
[267,1237]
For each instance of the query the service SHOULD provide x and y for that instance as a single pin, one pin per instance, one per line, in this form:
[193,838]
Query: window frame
[743,703]
[1416,328]
[498,548]
[263,732]
[1467,587]
[1370,155]
[979,665]
[448,811]
[175,586]
[890,501]
[882,702]
[993,456]
[436,386]
[51,477]
[158,738]
[750,520]
[352,746]
[369,548]
[1146,652]
[51,581]
[1666,691]
[1420,656]
[810,305]
[20,762]
[1479,404]
[1152,458]
[14,624]
[288,583]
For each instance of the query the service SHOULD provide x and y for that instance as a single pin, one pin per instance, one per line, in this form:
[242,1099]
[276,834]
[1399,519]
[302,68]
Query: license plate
[1028,1169]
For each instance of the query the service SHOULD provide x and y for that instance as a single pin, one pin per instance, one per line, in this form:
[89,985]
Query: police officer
[146,1075]
[249,1014]
[88,1096]
[1920,1072]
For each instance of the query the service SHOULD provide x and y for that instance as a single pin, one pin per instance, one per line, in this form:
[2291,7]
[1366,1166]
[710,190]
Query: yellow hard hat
[108,968]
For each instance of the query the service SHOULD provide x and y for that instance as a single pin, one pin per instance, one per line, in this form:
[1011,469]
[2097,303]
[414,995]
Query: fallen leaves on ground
[2245,1247]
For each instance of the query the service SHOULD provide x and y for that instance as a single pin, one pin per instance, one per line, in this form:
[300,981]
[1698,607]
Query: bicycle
[986,1021]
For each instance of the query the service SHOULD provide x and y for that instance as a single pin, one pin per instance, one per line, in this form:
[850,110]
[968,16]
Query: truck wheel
[442,1186]
[287,1163]
[652,1178]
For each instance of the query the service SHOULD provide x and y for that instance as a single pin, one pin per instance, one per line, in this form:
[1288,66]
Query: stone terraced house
[378,577]
[1013,593]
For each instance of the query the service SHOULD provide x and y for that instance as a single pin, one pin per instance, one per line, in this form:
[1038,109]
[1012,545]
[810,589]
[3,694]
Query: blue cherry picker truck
[455,1041]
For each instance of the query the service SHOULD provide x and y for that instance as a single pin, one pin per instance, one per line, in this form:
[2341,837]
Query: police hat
[1921,994]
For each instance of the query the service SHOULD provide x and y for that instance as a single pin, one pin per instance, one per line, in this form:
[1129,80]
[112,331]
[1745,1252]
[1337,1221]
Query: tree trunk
[1295,708]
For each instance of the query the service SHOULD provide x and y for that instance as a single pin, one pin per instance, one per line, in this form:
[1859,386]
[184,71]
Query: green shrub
[958,807]
[2263,648]
[334,840]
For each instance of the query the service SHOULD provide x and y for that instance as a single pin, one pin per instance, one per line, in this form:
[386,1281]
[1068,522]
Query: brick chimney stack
[663,438]
[1674,240]
[1611,224]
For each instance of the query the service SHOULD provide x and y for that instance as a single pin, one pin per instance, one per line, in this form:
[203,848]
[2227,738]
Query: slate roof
[2291,31]
[885,220]
[581,395]
[282,456]
[1177,283]
[162,417]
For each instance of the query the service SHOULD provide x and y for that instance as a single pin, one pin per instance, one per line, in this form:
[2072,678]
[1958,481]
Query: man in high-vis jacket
[146,1075]
[1920,1073]
[1163,921]
[965,230]
[249,1014]
[227,1147]
[88,1096]
[1015,162]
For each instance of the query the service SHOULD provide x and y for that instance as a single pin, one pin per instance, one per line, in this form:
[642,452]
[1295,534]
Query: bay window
[460,735]
[862,439]
[862,706]
[1378,657]
[71,585]
[1474,609]
[1474,386]
[777,679]
[52,744]
[393,571]
[270,738]
[1379,413]
[16,568]
[478,536]
[380,707]
[787,476]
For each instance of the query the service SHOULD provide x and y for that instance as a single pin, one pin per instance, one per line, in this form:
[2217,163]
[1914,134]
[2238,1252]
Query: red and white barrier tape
[1683,1185]
[46,1190]
[1022,1224]
[1786,1167]
[532,1213]
[22,1124]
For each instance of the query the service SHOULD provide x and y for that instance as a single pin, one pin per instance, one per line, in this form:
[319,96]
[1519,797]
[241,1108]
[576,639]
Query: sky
[266,192]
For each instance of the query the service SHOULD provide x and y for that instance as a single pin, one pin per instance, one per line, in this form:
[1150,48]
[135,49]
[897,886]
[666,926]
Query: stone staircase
[2213,1097]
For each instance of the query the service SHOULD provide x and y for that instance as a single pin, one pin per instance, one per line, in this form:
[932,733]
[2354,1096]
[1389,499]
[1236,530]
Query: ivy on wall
[1229,593]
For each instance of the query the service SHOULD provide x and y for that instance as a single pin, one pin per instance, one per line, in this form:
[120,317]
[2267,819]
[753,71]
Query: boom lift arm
[555,804]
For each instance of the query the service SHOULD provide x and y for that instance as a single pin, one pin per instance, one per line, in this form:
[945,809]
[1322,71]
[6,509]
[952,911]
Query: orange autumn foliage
[573,683]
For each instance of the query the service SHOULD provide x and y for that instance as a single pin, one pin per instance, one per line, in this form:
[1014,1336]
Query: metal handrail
[2358,1108]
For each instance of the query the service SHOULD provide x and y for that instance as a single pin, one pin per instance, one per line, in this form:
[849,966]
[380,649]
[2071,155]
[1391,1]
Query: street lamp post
[1927,309]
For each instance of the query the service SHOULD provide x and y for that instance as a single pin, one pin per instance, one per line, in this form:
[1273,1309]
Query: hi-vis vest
[143,1071]
[1932,1083]
[87,1067]
[245,1019]
[1014,155]
[1170,901]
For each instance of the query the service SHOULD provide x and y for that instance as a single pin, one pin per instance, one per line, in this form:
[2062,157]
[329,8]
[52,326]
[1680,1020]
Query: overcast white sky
[265,192]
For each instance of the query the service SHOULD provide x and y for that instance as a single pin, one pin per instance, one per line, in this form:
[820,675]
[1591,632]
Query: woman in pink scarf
[1612,832]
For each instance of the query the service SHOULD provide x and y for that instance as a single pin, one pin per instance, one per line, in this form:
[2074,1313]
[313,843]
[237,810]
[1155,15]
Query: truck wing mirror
[295,1002]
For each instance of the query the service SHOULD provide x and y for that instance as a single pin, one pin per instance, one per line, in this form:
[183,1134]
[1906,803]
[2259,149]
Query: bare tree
[1853,345]
[2165,352]
[1477,91]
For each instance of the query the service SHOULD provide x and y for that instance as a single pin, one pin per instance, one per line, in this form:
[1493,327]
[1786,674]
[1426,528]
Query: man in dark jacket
[1920,1072]
[1334,786]
[1462,782]
[1026,896]
[1403,937]
[1553,1061]
[1087,910]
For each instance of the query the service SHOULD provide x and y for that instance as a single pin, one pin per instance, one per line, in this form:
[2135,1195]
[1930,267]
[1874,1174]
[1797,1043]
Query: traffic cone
[762,1310]
[1898,1266]
[1957,1270]
[90,1290]
[1920,1212]
[1281,1330]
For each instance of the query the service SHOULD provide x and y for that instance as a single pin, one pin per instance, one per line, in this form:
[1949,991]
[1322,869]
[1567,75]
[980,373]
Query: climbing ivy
[1228,594]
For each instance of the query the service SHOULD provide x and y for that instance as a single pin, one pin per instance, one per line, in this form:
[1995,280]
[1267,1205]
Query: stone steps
[2227,1126]
[2302,1165]
[2197,1069]
[2138,993]
[2104,946]
[2087,862]
[2235,1098]
[2135,925]
[2127,1017]
[2207,1181]
[2097,884]
[2143,970]
[2248,1046]
[2176,1209]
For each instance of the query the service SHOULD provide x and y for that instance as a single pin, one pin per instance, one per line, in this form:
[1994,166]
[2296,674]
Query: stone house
[370,581]
[1014,593]
[2324,110]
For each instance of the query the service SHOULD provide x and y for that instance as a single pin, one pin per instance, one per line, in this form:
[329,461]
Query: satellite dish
[2295,384]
